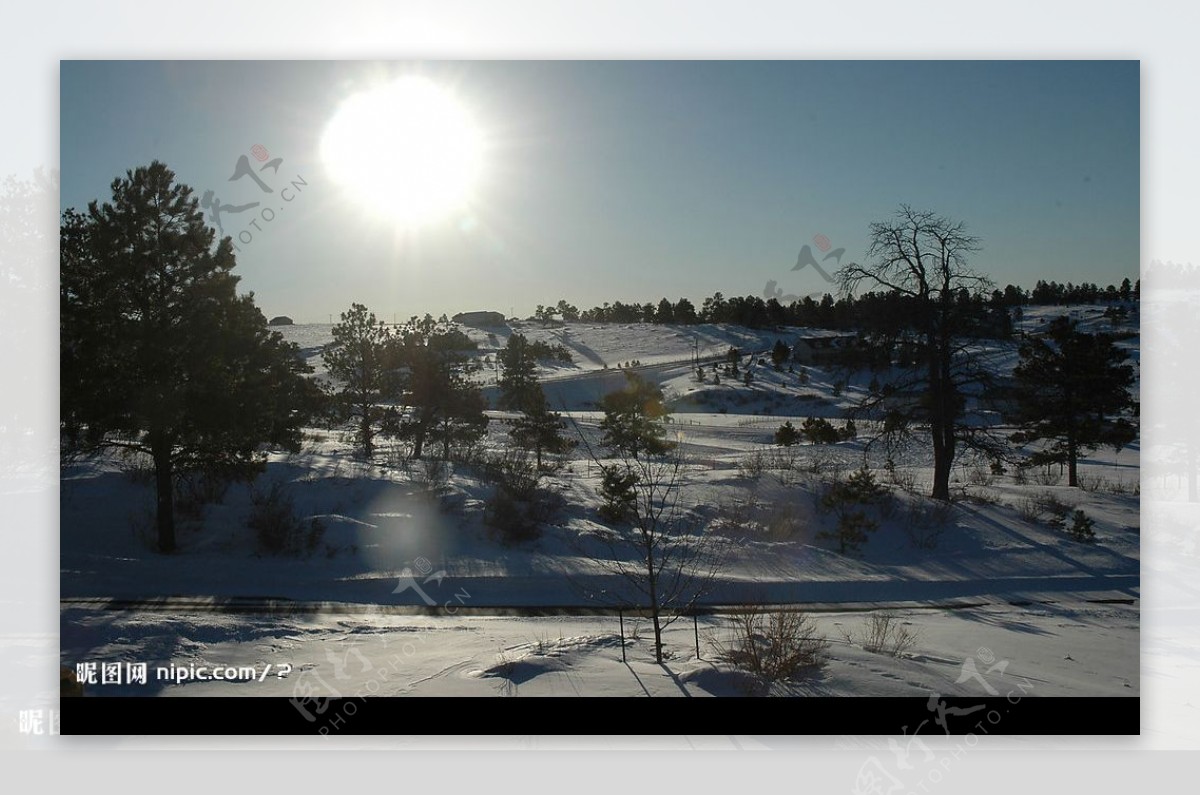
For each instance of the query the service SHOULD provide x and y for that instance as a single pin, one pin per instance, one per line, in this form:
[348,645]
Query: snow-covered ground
[986,580]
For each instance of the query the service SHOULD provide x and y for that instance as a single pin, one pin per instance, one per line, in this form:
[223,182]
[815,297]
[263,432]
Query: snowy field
[986,582]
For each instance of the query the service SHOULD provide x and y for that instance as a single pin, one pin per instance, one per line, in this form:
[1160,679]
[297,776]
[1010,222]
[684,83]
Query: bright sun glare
[406,149]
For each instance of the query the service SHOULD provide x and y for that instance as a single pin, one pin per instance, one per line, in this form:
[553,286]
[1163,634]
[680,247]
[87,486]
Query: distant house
[479,319]
[280,320]
[818,346]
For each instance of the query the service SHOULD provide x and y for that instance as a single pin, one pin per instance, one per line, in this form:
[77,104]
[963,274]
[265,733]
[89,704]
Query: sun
[406,149]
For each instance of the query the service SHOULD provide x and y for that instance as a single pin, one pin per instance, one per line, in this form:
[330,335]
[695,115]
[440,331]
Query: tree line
[845,312]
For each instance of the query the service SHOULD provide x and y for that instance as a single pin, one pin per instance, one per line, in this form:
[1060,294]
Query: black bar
[140,715]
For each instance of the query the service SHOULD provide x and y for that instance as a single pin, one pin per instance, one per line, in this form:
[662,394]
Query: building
[820,346]
[480,319]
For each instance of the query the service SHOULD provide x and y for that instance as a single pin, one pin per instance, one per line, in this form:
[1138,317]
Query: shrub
[1047,505]
[1048,478]
[979,475]
[774,647]
[545,351]
[519,503]
[851,530]
[787,435]
[433,474]
[509,518]
[617,486]
[196,490]
[277,529]
[925,521]
[138,467]
[760,461]
[847,498]
[514,472]
[884,633]
[1081,527]
[820,431]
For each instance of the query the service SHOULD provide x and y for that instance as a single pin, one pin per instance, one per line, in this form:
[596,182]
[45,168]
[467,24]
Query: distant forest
[992,314]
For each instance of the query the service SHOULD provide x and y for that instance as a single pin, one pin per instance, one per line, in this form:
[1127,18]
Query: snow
[536,618]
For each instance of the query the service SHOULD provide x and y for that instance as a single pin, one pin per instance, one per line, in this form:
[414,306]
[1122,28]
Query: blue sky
[634,180]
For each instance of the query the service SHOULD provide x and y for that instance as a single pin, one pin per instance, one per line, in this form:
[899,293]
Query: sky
[631,180]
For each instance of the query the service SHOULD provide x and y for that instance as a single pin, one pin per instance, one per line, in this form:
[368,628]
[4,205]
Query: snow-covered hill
[986,572]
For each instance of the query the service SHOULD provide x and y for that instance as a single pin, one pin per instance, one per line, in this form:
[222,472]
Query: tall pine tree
[159,354]
[363,359]
[518,379]
[634,418]
[539,429]
[1073,390]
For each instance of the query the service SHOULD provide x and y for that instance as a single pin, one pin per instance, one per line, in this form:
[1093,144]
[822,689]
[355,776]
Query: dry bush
[762,515]
[765,460]
[136,466]
[276,527]
[774,646]
[885,634]
[432,474]
[978,474]
[925,521]
[195,491]
[1046,477]
[1046,506]
[905,479]
[143,525]
[1028,510]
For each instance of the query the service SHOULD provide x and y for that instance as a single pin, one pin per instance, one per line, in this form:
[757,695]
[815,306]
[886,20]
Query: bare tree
[664,559]
[922,257]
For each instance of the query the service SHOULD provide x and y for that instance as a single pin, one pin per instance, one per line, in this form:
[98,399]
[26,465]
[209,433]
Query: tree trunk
[658,658]
[653,583]
[944,412]
[943,462]
[1072,466]
[160,448]
[367,437]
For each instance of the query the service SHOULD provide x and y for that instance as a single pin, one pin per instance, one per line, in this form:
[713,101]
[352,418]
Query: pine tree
[1073,390]
[518,378]
[159,354]
[539,429]
[460,415]
[440,401]
[362,357]
[787,435]
[634,417]
[780,353]
[847,499]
